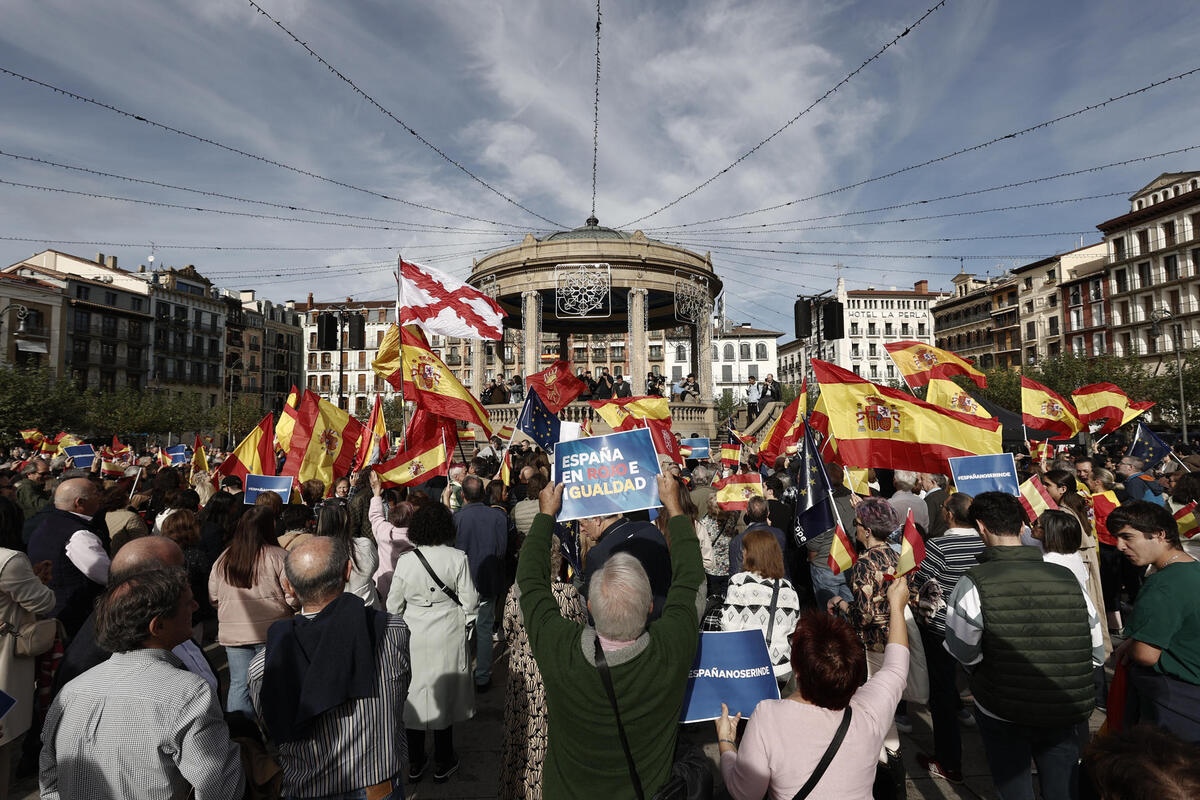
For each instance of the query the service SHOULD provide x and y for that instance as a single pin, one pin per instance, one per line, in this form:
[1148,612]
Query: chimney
[310,299]
[142,269]
[246,295]
[290,305]
[99,258]
[112,262]
[921,287]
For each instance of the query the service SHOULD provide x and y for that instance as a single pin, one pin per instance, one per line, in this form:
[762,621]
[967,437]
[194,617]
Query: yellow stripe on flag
[1036,499]
[841,551]
[948,394]
[414,465]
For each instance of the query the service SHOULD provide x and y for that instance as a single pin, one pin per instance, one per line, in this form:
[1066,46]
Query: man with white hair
[905,500]
[648,664]
[934,485]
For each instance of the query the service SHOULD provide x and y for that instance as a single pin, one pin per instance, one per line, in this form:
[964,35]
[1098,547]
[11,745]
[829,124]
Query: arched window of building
[714,352]
[728,352]
[680,353]
[760,352]
[744,349]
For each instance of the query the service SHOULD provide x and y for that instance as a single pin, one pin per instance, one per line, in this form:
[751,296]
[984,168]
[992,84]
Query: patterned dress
[524,746]
[869,613]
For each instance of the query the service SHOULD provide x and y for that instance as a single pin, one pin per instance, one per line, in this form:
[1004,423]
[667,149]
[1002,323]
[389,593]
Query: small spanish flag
[912,548]
[32,436]
[734,492]
[857,481]
[466,434]
[731,454]
[415,465]
[585,428]
[164,458]
[841,551]
[199,456]
[685,451]
[1188,520]
[1036,499]
[506,432]
[111,469]
[506,469]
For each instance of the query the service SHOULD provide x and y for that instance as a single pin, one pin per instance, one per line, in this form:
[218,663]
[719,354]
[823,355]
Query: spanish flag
[1040,451]
[324,442]
[1103,504]
[164,458]
[947,394]
[415,465]
[912,548]
[119,449]
[1188,520]
[1044,410]
[65,440]
[374,444]
[1106,401]
[919,363]
[842,555]
[287,420]
[405,360]
[731,454]
[622,414]
[786,430]
[426,427]
[857,480]
[734,492]
[199,457]
[875,426]
[466,435]
[111,469]
[1035,499]
[32,436]
[253,455]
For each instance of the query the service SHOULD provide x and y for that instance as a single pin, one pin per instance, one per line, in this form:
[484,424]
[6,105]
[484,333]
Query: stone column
[531,329]
[478,358]
[702,361]
[639,345]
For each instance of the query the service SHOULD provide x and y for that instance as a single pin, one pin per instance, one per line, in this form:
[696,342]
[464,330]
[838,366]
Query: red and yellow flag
[786,430]
[427,427]
[324,442]
[253,455]
[466,435]
[1188,520]
[287,420]
[731,454]
[32,436]
[734,492]
[405,361]
[947,394]
[912,548]
[875,426]
[199,457]
[1044,409]
[373,446]
[842,554]
[119,449]
[111,469]
[556,385]
[1036,499]
[1106,401]
[415,465]
[919,363]
[1103,504]
[623,413]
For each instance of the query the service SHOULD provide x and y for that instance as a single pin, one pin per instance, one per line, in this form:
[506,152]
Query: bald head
[143,553]
[78,495]
[318,569]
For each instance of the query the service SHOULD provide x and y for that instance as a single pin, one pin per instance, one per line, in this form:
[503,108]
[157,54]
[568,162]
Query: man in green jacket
[649,665]
[31,495]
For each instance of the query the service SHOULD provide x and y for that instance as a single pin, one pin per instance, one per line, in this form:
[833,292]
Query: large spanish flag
[945,393]
[842,554]
[786,430]
[1044,409]
[253,455]
[425,426]
[32,436]
[1188,520]
[919,363]
[734,492]
[405,361]
[417,464]
[875,426]
[287,421]
[731,454]
[324,442]
[622,413]
[1106,401]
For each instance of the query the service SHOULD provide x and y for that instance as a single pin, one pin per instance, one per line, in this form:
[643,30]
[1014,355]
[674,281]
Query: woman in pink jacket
[246,585]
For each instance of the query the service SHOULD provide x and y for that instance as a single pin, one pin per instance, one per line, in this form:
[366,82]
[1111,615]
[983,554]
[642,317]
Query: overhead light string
[596,112]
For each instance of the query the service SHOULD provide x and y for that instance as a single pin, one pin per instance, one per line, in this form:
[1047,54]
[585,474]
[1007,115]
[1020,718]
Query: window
[362,359]
[905,329]
[108,327]
[1121,280]
[83,321]
[1030,330]
[920,329]
[854,351]
[1077,346]
[1054,326]
[744,351]
[1119,248]
[1077,319]
[312,382]
[1097,313]
[680,352]
[871,329]
[135,303]
[727,352]
[887,329]
[1029,283]
[760,352]
[1171,267]
[326,383]
[874,372]
[110,299]
[599,354]
[108,352]
[891,371]
[854,329]
[79,349]
[1144,274]
[163,311]
[872,350]
[1168,234]
[727,373]
[362,382]
[616,370]
[326,360]
[83,292]
[133,357]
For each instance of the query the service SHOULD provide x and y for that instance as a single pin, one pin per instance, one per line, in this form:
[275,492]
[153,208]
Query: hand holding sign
[550,499]
[668,493]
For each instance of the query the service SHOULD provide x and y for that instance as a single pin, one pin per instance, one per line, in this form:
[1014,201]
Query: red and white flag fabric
[438,303]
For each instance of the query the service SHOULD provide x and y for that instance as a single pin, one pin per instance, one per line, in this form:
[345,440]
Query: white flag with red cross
[438,303]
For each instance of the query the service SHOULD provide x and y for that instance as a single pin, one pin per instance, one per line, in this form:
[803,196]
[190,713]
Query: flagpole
[400,388]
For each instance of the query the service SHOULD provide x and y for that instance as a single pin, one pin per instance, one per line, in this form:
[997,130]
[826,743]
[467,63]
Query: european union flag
[537,422]
[1148,447]
[814,502]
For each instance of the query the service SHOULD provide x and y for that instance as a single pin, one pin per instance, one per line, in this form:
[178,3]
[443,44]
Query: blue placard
[83,455]
[603,475]
[993,473]
[7,701]
[257,484]
[733,668]
[178,454]
[699,447]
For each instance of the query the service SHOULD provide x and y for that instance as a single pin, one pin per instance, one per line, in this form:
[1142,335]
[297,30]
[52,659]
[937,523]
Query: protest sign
[178,454]
[700,447]
[992,473]
[603,475]
[82,454]
[257,484]
[733,668]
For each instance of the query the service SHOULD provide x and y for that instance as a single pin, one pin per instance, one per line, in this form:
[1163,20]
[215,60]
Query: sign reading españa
[604,475]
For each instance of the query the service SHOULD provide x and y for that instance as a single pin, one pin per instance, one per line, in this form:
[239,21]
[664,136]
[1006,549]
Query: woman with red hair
[832,711]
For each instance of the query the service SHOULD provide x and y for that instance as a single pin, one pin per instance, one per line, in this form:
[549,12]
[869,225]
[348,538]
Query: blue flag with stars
[814,502]
[537,422]
[1148,447]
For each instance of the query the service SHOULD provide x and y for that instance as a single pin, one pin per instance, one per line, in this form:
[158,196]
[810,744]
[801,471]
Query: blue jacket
[482,533]
[735,544]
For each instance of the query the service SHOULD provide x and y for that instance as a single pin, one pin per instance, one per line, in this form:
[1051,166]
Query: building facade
[31,322]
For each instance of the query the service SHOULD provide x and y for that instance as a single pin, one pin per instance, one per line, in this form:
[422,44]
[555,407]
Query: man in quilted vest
[1029,637]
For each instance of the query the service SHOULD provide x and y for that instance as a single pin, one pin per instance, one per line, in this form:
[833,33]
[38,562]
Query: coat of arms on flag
[878,416]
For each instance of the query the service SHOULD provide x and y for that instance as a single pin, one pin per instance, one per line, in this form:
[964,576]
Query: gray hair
[1066,465]
[939,480]
[316,575]
[904,480]
[619,598]
[701,476]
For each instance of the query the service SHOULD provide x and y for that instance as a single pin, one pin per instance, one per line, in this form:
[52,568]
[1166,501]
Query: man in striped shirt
[947,557]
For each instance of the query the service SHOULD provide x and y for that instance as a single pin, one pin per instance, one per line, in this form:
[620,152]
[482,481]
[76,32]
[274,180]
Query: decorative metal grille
[692,303]
[582,291]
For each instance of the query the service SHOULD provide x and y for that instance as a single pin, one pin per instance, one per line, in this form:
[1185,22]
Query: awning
[29,346]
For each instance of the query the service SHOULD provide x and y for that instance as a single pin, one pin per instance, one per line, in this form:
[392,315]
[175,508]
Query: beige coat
[244,615]
[23,598]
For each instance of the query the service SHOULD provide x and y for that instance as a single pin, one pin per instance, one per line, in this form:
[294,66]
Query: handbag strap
[771,611]
[606,679]
[826,759]
[449,592]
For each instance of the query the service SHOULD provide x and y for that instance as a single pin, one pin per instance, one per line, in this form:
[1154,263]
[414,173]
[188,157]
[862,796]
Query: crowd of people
[357,622]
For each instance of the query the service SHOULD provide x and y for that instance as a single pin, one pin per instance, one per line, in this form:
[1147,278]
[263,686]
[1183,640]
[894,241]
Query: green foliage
[31,398]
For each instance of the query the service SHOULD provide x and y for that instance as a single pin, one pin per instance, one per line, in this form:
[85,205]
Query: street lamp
[1156,329]
[237,364]
[22,314]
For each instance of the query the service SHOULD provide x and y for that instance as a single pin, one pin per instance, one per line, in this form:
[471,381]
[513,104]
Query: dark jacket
[645,542]
[74,592]
[934,501]
[735,544]
[482,533]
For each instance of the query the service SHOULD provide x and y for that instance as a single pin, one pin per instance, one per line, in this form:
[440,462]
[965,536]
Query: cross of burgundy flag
[438,303]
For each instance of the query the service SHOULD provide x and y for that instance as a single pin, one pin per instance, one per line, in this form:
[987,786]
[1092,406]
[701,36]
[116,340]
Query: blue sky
[505,89]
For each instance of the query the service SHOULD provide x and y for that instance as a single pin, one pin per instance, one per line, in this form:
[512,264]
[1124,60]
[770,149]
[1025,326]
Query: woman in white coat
[432,589]
[23,598]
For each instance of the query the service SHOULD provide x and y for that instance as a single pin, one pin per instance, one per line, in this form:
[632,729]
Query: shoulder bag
[469,623]
[34,636]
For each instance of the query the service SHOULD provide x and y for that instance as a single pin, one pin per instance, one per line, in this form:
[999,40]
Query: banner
[731,667]
[604,475]
[83,455]
[178,454]
[699,448]
[974,475]
[257,484]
